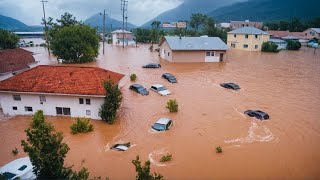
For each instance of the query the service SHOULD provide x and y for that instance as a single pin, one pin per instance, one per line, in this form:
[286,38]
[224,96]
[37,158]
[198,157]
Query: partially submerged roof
[163,121]
[248,30]
[195,43]
[12,60]
[316,30]
[284,33]
[61,80]
[157,85]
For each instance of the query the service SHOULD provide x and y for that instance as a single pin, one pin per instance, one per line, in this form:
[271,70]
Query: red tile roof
[12,60]
[61,80]
[285,33]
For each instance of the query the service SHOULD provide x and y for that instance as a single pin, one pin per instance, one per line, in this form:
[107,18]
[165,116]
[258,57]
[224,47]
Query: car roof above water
[137,85]
[157,85]
[163,121]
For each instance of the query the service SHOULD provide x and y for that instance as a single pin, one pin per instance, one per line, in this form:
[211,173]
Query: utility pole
[123,9]
[45,25]
[104,29]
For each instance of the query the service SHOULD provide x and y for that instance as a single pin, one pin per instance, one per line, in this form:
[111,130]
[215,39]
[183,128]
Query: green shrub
[15,151]
[133,77]
[172,105]
[294,45]
[219,149]
[166,158]
[269,47]
[81,126]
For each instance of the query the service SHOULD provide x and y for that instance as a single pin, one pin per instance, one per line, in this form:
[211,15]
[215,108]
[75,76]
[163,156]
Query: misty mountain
[268,10]
[185,10]
[11,24]
[97,22]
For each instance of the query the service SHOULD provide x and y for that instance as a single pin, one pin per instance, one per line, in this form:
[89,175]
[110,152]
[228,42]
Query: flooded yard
[285,85]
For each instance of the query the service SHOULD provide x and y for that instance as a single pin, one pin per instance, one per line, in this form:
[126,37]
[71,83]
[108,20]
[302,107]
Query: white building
[57,90]
[119,36]
[281,43]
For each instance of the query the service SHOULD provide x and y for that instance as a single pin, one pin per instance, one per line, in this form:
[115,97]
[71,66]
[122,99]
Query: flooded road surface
[285,85]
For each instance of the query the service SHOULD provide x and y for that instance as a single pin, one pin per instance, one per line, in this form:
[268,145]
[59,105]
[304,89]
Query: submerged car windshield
[162,88]
[160,127]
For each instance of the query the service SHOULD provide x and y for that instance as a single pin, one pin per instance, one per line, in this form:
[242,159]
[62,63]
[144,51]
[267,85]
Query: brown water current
[285,85]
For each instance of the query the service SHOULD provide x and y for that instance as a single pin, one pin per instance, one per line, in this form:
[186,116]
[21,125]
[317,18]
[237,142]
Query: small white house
[281,43]
[57,90]
[122,36]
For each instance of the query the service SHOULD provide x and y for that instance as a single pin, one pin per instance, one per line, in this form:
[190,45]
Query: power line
[45,24]
[124,9]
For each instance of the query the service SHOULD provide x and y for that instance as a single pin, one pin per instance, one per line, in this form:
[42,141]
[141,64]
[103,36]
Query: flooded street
[285,85]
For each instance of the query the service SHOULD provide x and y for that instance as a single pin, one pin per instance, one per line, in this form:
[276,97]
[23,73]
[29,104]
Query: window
[212,53]
[80,100]
[42,98]
[17,97]
[245,46]
[14,108]
[27,108]
[208,53]
[233,45]
[256,36]
[246,36]
[88,112]
[168,53]
[88,101]
[63,111]
[256,46]
[305,34]
[235,35]
[59,110]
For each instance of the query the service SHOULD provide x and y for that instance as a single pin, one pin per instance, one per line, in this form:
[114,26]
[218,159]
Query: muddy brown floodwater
[285,85]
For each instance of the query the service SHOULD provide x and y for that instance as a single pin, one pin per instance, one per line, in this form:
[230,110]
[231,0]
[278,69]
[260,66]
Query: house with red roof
[13,61]
[57,90]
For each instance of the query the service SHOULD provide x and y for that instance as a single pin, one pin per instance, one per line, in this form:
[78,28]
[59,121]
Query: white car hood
[165,92]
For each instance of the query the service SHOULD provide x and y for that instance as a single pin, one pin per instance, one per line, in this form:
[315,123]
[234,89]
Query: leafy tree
[197,20]
[47,151]
[81,126]
[269,47]
[72,41]
[112,102]
[271,25]
[75,44]
[172,105]
[283,25]
[296,25]
[156,24]
[8,40]
[294,45]
[143,172]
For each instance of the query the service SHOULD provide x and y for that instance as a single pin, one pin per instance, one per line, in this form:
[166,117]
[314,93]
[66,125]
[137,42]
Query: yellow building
[247,38]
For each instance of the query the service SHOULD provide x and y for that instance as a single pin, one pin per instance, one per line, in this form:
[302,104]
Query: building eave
[52,94]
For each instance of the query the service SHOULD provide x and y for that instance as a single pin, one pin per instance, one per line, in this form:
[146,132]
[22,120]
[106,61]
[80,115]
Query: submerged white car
[163,124]
[161,89]
[18,169]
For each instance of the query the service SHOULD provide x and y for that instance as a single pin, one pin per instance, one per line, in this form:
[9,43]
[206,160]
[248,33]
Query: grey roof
[316,30]
[290,37]
[195,43]
[247,30]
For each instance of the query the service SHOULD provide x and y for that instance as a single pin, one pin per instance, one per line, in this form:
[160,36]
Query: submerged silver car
[163,124]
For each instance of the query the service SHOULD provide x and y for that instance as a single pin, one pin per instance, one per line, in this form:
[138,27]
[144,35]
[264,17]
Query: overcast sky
[30,11]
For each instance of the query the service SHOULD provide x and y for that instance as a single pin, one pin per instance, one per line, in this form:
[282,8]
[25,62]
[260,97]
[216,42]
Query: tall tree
[284,25]
[47,151]
[72,41]
[197,20]
[8,40]
[296,25]
[112,102]
[156,24]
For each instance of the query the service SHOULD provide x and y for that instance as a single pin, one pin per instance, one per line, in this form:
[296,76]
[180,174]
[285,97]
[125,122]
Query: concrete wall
[310,34]
[164,50]
[197,56]
[251,41]
[49,107]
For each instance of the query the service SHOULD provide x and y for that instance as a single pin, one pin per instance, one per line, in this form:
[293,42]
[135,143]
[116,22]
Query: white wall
[49,107]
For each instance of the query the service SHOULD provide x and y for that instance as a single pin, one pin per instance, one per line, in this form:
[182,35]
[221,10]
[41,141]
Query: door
[221,57]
